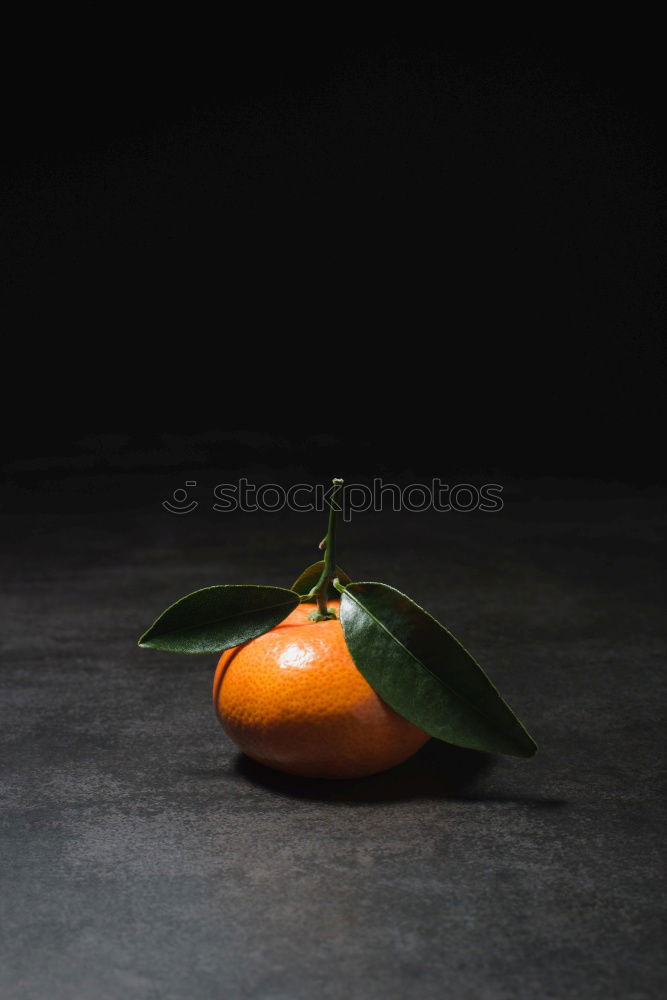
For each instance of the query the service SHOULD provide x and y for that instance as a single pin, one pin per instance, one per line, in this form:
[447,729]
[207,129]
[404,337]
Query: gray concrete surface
[143,857]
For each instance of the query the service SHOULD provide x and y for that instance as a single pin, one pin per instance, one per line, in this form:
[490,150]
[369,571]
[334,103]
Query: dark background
[441,250]
[287,252]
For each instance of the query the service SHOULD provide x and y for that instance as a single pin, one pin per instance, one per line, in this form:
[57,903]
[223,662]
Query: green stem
[329,569]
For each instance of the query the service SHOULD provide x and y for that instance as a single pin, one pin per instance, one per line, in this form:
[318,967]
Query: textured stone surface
[142,857]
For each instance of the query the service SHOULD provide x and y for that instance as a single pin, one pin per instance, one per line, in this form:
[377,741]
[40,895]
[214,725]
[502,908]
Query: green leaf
[218,618]
[425,674]
[305,583]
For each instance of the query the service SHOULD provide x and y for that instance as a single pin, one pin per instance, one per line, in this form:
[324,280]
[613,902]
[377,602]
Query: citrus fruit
[293,699]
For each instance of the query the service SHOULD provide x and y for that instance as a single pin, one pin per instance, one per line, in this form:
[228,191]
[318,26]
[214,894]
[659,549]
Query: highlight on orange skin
[294,700]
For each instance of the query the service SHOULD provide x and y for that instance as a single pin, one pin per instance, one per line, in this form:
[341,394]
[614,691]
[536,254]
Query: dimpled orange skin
[294,700]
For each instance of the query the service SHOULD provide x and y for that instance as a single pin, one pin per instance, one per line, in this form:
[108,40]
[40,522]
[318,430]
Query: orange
[293,699]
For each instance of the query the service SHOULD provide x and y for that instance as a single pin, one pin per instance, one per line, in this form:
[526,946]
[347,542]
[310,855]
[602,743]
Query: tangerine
[294,700]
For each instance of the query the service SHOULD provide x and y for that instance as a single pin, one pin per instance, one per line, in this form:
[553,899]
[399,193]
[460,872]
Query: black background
[402,251]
